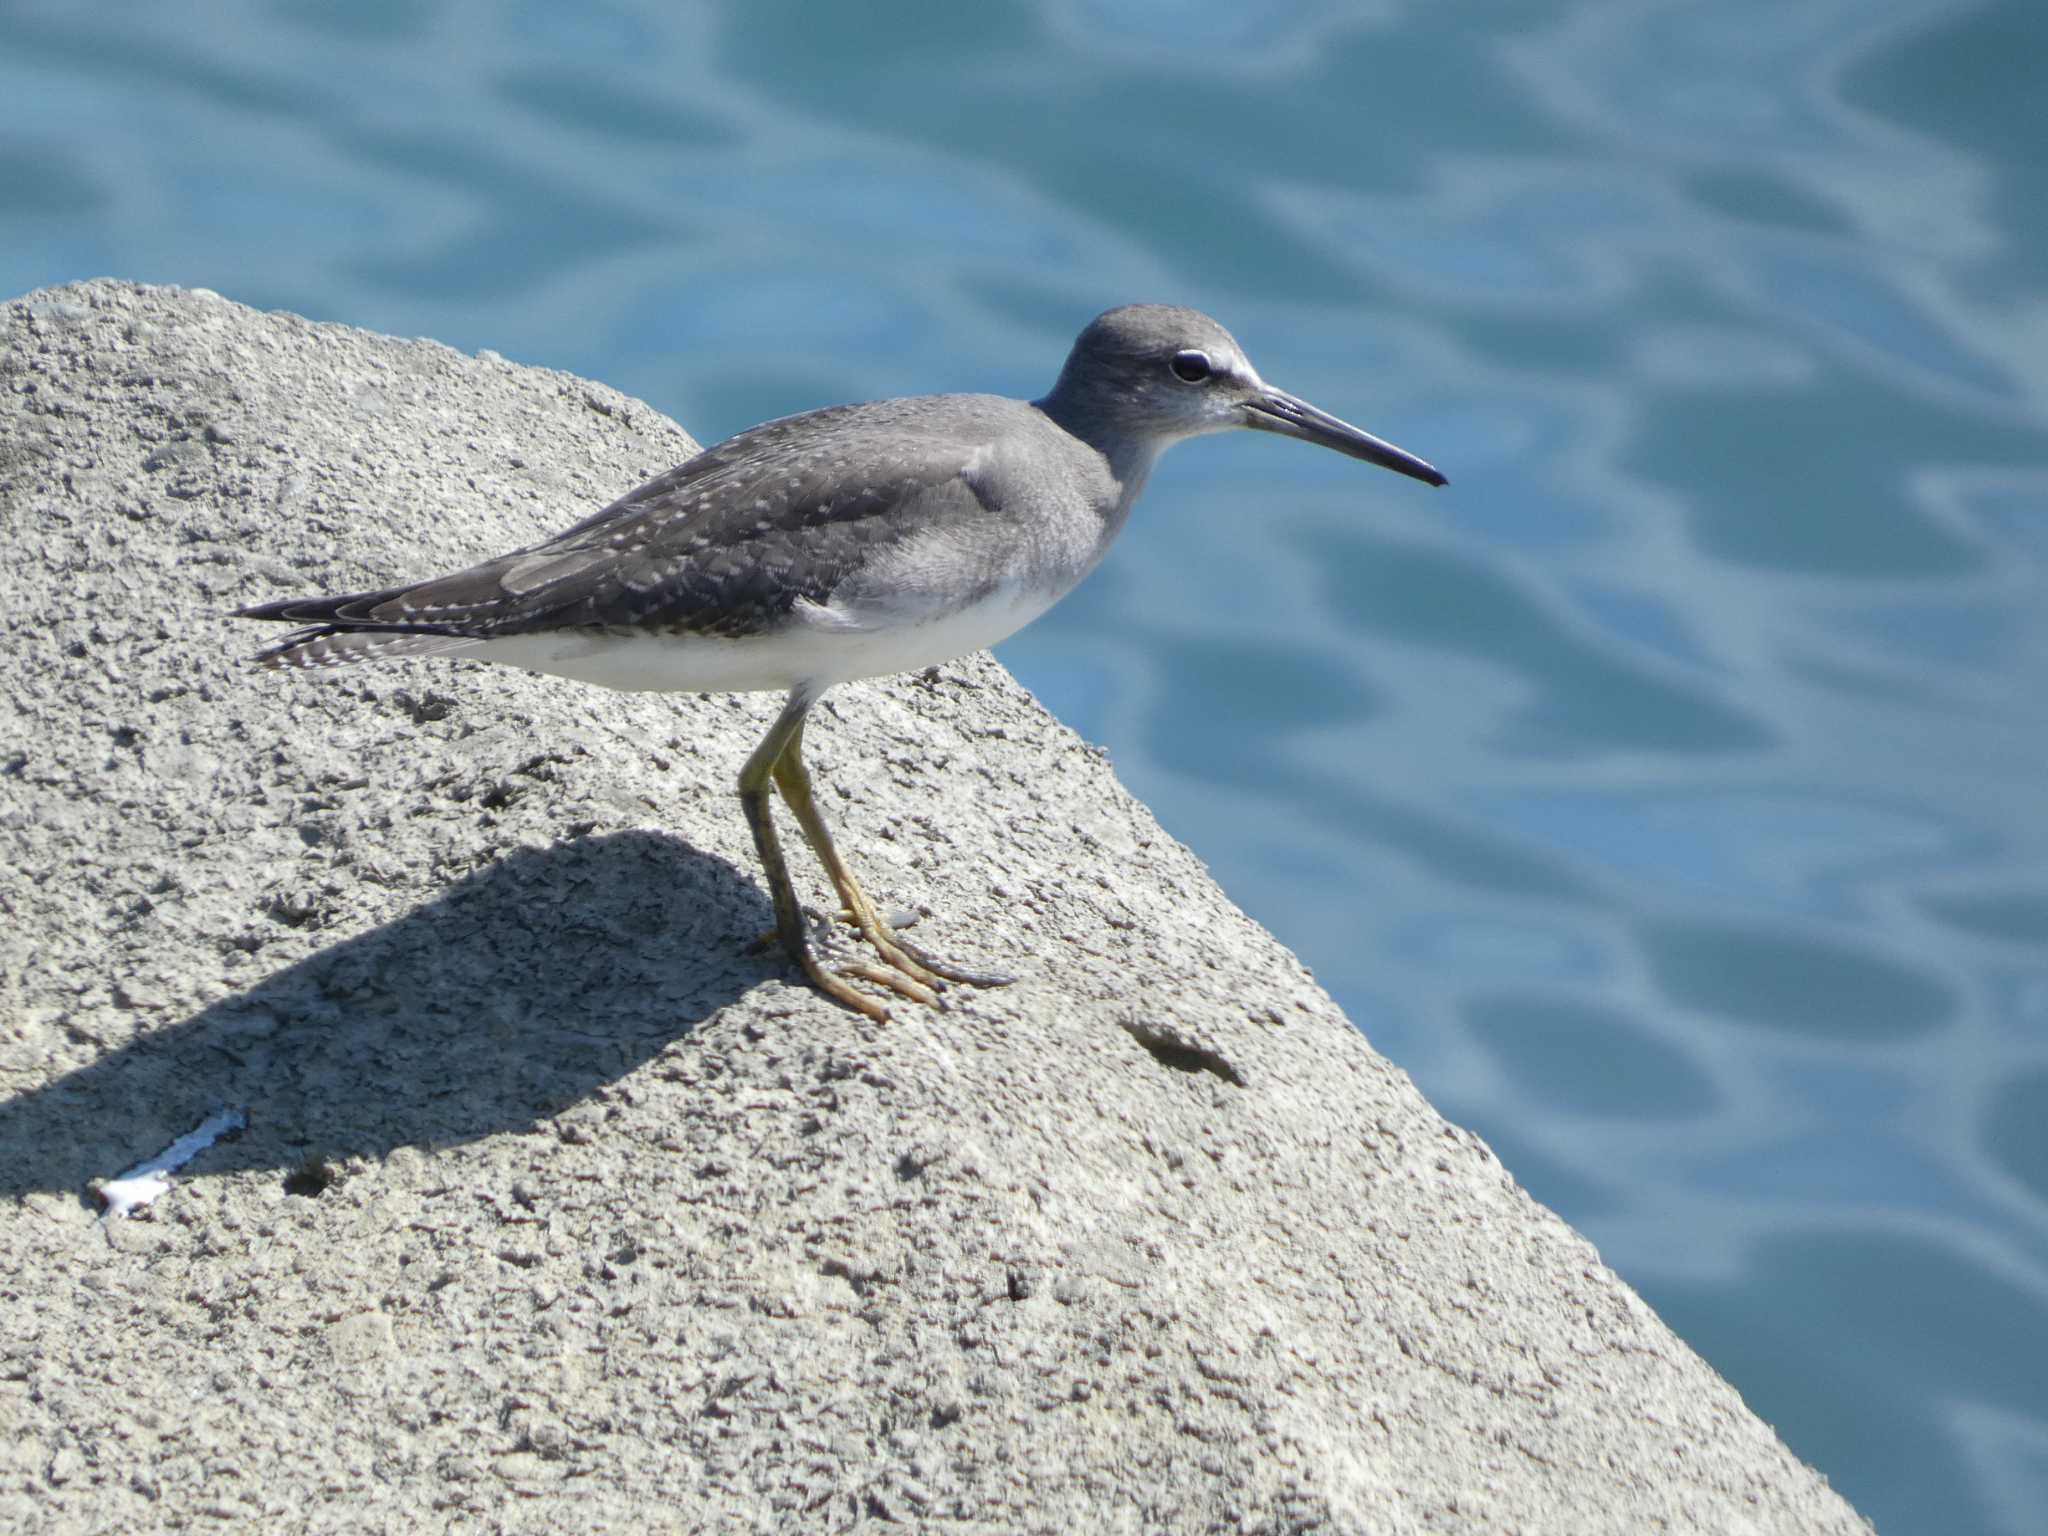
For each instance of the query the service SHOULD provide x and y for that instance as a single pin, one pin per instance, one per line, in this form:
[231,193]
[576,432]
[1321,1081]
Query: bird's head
[1157,373]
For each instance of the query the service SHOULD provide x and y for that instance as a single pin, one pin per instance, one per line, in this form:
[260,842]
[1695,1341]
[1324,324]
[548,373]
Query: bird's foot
[943,969]
[912,961]
[838,985]
[906,979]
[905,969]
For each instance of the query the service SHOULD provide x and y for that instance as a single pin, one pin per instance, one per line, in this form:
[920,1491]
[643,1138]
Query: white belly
[819,646]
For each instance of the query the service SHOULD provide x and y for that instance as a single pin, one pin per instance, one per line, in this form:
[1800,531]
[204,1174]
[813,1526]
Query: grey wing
[722,544]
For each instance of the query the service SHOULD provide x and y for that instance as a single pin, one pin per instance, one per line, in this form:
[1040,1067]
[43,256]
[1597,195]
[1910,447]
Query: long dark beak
[1278,411]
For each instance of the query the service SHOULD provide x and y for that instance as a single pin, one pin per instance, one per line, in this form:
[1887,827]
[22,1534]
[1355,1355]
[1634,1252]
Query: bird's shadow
[504,1000]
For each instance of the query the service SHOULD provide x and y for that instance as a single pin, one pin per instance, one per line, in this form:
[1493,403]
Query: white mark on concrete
[133,1190]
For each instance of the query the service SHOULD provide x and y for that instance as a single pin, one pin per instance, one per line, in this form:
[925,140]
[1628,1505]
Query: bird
[850,542]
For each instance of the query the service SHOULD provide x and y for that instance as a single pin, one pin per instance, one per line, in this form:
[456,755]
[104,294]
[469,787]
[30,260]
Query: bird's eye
[1190,367]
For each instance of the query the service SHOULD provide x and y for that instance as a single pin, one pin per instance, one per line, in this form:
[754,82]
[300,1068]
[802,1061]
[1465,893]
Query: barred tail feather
[337,645]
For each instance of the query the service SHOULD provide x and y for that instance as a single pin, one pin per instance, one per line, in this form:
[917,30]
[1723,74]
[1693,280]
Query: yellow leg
[789,916]
[794,780]
[905,971]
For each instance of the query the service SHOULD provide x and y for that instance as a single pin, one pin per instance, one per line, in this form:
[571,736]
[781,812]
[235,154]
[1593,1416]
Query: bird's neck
[1128,456]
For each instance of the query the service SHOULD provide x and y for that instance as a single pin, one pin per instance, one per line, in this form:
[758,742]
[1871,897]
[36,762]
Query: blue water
[1666,795]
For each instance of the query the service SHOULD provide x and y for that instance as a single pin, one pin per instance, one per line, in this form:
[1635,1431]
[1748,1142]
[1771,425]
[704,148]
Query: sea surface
[1666,795]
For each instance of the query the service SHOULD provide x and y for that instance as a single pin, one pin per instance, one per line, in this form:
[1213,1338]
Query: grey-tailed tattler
[843,543]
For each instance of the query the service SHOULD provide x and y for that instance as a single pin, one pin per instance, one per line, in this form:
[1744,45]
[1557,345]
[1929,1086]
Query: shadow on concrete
[505,1000]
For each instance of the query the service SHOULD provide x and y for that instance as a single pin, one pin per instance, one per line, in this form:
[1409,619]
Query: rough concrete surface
[560,1207]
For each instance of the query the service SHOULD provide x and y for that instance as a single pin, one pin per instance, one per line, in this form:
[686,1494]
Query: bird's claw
[904,969]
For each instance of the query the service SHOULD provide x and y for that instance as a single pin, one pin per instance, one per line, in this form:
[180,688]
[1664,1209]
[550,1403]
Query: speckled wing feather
[724,544]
